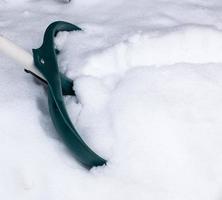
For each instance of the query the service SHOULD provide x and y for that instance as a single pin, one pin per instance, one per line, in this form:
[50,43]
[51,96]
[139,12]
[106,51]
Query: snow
[189,44]
[147,76]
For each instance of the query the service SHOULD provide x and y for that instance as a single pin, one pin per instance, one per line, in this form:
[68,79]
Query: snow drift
[152,106]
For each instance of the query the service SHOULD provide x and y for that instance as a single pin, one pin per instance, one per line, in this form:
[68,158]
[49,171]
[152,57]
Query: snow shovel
[43,65]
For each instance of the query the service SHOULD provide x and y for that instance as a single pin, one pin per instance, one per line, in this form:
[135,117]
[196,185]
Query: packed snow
[147,77]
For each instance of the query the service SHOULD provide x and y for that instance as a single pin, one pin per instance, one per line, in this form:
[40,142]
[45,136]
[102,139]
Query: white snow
[147,76]
[189,44]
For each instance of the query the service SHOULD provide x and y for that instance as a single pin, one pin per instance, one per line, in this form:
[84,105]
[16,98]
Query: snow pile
[148,85]
[161,123]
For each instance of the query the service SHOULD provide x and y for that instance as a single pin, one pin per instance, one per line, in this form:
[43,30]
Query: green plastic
[59,85]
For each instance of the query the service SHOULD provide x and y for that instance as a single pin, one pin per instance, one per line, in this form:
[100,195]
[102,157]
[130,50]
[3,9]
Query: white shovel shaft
[19,55]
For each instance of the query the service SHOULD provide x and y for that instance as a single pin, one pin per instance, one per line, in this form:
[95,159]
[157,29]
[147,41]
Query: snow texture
[148,82]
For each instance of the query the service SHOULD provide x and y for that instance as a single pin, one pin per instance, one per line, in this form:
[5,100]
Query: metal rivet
[42,61]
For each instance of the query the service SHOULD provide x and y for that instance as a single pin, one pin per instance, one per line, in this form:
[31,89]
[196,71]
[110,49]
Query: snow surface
[148,81]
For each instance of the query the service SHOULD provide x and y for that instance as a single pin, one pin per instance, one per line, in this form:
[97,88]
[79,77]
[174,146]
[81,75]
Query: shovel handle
[19,55]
